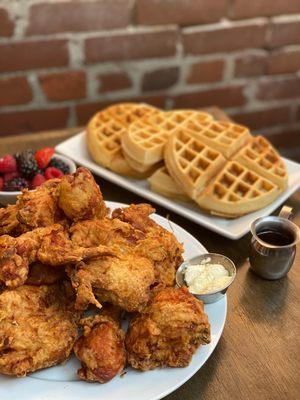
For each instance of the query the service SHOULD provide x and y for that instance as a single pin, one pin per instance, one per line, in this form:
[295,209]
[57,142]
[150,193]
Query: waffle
[191,163]
[144,169]
[218,164]
[162,183]
[127,113]
[104,132]
[260,156]
[223,136]
[146,137]
[236,191]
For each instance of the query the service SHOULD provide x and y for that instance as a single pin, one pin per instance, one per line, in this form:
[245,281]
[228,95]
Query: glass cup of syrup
[273,245]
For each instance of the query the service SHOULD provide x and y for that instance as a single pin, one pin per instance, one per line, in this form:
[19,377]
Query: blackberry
[16,184]
[59,164]
[18,156]
[27,164]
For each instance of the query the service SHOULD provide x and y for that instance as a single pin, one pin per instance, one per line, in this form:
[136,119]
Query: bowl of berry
[30,169]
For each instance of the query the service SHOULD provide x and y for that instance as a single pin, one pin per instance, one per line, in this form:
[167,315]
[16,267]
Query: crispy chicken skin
[80,196]
[9,224]
[125,279]
[73,197]
[15,256]
[50,245]
[159,245]
[101,348]
[131,230]
[168,332]
[39,207]
[136,215]
[106,231]
[121,279]
[35,208]
[56,248]
[147,257]
[37,328]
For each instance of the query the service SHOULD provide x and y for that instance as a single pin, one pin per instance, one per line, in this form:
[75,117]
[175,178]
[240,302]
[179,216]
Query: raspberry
[59,164]
[27,164]
[52,172]
[11,175]
[43,157]
[7,164]
[1,183]
[38,180]
[16,185]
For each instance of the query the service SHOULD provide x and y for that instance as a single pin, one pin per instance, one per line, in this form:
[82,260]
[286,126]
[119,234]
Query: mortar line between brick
[95,34]
[148,63]
[269,104]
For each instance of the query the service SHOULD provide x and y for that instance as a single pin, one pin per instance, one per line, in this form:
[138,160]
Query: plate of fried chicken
[87,287]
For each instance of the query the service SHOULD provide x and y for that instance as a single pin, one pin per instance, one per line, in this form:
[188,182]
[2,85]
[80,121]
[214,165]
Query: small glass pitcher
[273,245]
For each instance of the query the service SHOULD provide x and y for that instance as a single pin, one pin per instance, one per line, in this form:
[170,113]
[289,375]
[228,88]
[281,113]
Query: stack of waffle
[105,131]
[186,154]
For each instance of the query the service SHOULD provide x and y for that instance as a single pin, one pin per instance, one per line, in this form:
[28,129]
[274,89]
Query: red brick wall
[62,60]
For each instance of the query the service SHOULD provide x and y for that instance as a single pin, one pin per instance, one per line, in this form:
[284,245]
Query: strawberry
[52,172]
[38,180]
[43,157]
[1,183]
[8,164]
[11,175]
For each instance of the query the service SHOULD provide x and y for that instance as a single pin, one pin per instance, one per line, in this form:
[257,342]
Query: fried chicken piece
[80,196]
[50,245]
[74,196]
[121,279]
[136,242]
[101,348]
[165,252]
[136,215]
[106,231]
[131,230]
[159,245]
[38,208]
[168,332]
[15,256]
[41,274]
[34,208]
[56,248]
[9,223]
[37,328]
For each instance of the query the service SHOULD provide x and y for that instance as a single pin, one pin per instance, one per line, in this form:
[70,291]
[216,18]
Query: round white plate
[61,383]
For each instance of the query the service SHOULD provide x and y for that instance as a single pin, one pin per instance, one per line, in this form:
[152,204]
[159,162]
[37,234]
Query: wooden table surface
[258,355]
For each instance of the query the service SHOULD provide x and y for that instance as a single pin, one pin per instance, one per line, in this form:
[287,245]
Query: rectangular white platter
[75,148]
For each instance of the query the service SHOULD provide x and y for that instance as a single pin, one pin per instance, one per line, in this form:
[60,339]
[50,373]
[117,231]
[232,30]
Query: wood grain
[258,356]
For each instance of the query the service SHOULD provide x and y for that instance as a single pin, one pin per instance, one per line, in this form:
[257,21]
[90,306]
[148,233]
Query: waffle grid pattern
[110,124]
[157,128]
[109,134]
[194,158]
[259,152]
[223,132]
[126,114]
[225,137]
[237,183]
[147,136]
